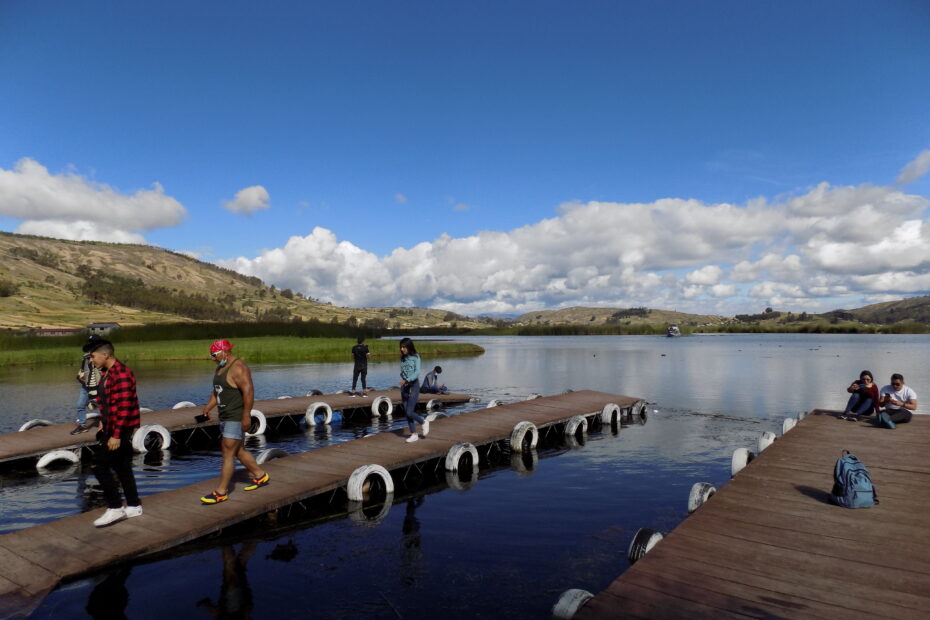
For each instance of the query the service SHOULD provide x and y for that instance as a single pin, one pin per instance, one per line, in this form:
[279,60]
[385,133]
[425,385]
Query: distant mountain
[579,315]
[885,313]
[56,283]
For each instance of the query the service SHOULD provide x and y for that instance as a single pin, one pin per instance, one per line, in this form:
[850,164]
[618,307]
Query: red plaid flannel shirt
[120,403]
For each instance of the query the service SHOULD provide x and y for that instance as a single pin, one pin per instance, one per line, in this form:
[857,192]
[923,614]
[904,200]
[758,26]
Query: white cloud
[808,249]
[248,200]
[915,169]
[69,206]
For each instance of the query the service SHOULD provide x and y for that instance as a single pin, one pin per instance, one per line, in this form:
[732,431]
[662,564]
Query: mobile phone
[200,419]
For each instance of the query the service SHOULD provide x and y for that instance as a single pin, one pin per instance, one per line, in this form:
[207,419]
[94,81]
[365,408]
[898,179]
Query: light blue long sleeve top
[410,368]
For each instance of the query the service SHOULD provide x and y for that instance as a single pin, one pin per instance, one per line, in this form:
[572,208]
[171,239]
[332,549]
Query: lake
[509,545]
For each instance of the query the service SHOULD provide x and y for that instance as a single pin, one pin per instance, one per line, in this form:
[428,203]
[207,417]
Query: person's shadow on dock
[819,494]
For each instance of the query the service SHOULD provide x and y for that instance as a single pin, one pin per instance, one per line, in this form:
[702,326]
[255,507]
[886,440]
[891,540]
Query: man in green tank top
[233,395]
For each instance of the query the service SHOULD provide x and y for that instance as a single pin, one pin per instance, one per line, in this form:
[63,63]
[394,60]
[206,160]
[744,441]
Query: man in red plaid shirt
[120,407]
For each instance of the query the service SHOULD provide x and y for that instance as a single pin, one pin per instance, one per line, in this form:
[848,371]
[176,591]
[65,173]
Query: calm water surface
[507,546]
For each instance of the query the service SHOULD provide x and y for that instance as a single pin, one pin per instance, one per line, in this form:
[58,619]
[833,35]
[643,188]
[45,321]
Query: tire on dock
[569,603]
[524,432]
[310,415]
[765,440]
[144,410]
[314,393]
[283,397]
[259,424]
[575,425]
[495,403]
[150,437]
[638,409]
[740,459]
[377,410]
[270,454]
[788,424]
[433,403]
[457,452]
[610,414]
[533,396]
[354,489]
[644,540]
[55,456]
[700,493]
[37,423]
[183,404]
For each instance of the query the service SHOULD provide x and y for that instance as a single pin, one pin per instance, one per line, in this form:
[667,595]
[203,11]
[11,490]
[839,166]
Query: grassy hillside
[592,317]
[55,283]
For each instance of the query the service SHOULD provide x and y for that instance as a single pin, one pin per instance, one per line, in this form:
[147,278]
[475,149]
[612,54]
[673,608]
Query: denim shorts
[231,430]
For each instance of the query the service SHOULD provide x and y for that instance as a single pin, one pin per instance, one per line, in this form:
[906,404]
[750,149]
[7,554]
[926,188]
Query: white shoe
[112,515]
[424,428]
[133,511]
[413,438]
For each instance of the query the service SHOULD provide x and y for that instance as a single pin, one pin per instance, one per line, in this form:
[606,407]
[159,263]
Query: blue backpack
[852,485]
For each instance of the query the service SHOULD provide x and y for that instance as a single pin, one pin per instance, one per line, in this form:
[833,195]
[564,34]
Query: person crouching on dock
[233,395]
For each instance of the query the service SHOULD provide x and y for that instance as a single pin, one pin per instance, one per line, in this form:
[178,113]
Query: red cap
[221,345]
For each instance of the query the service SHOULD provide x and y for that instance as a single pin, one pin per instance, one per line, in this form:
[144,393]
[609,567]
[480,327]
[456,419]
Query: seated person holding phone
[864,397]
[898,402]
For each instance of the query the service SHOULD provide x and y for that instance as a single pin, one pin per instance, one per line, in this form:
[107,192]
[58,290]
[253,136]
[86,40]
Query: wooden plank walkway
[769,545]
[38,441]
[35,560]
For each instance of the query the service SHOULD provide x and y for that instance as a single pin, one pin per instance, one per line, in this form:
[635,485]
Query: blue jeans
[82,413]
[409,394]
[859,404]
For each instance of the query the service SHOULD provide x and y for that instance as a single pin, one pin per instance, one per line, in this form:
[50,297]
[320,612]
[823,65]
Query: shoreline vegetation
[257,350]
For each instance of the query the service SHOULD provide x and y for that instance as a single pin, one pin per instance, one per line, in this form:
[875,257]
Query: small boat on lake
[673,331]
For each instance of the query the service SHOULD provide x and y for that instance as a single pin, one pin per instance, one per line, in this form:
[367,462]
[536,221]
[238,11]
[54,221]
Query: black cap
[94,342]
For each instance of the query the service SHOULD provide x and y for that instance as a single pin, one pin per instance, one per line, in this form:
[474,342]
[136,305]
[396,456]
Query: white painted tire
[454,480]
[142,436]
[262,424]
[183,404]
[314,393]
[520,433]
[494,403]
[569,603]
[765,440]
[144,410]
[521,467]
[642,543]
[270,454]
[638,409]
[360,475]
[611,414]
[741,458]
[533,396]
[433,403]
[310,415]
[342,392]
[359,516]
[575,423]
[700,493]
[802,415]
[57,455]
[283,397]
[376,407]
[37,423]
[788,424]
[455,454]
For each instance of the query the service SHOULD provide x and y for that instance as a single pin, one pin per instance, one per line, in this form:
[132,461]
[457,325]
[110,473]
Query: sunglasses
[213,355]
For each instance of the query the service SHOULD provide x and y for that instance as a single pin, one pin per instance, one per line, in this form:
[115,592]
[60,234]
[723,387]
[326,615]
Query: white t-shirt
[903,395]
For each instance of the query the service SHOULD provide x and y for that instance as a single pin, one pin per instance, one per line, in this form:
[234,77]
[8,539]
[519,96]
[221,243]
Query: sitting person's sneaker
[215,498]
[412,438]
[258,482]
[112,515]
[133,511]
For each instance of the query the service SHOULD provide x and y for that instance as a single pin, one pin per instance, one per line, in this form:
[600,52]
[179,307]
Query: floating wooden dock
[770,545]
[41,440]
[35,560]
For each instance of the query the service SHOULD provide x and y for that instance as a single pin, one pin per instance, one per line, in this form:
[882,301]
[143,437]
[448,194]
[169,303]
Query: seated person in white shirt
[898,401]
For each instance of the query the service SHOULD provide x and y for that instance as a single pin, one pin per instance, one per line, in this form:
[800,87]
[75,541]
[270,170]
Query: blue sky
[486,157]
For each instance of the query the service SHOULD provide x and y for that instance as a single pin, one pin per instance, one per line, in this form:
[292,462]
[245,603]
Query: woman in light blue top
[410,387]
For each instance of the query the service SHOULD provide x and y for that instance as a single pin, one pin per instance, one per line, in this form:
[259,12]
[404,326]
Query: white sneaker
[413,438]
[424,428]
[112,515]
[133,511]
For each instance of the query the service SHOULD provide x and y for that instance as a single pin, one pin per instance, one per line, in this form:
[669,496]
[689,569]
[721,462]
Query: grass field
[269,349]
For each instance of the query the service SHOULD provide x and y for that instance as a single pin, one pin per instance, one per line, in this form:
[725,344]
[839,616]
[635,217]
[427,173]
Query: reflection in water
[110,598]
[235,600]
[411,554]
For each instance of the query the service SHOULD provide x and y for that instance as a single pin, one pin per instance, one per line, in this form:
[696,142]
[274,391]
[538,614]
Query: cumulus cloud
[69,206]
[248,200]
[671,253]
[915,169]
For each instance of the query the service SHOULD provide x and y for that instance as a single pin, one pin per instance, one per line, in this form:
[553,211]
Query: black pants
[899,416]
[356,372]
[118,462]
